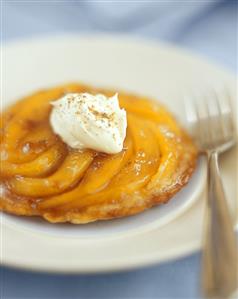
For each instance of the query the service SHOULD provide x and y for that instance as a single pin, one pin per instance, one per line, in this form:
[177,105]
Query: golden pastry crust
[41,176]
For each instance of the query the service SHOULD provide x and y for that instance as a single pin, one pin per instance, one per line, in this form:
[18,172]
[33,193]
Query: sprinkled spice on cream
[95,122]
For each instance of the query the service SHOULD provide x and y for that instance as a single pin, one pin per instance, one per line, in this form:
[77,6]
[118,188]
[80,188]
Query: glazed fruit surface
[41,176]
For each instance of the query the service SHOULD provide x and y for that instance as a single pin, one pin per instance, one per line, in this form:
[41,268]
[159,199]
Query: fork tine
[220,118]
[210,131]
[189,110]
[203,117]
[231,122]
[191,116]
[227,117]
[199,123]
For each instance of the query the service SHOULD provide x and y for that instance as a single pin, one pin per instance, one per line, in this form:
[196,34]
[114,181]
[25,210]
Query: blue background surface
[206,27]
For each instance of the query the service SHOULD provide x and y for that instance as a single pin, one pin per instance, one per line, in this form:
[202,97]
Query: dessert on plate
[78,154]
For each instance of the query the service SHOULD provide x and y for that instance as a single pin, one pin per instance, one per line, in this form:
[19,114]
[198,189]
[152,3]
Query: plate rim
[149,41]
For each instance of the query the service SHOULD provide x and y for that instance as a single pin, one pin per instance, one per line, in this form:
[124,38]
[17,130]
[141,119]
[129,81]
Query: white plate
[157,235]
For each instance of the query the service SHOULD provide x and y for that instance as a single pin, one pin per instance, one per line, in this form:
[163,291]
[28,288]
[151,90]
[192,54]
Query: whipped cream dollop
[86,121]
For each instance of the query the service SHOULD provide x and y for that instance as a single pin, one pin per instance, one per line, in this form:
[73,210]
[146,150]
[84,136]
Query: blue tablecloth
[207,27]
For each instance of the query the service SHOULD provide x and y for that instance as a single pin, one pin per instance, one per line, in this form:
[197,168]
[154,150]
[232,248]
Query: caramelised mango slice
[69,173]
[97,177]
[41,166]
[30,115]
[105,168]
[146,156]
[29,148]
[149,110]
[41,176]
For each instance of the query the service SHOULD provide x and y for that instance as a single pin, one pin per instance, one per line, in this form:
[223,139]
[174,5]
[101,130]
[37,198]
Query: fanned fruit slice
[41,176]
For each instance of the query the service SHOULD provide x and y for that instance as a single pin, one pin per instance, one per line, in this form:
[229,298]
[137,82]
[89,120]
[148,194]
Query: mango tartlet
[42,176]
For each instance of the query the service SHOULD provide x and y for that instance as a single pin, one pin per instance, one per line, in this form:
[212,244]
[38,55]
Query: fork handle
[219,270]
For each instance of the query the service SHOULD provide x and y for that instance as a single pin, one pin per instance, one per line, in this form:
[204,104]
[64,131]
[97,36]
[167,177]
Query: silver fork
[214,132]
